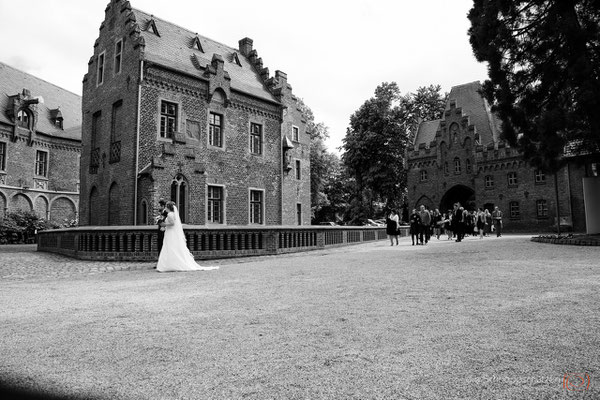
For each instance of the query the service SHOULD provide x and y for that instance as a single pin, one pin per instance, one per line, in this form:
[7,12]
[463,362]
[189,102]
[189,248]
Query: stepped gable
[176,47]
[13,81]
[468,98]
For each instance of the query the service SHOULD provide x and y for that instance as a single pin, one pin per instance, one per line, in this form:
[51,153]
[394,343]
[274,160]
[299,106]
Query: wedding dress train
[175,256]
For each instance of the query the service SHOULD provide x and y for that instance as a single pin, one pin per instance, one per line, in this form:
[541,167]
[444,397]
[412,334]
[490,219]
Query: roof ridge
[38,78]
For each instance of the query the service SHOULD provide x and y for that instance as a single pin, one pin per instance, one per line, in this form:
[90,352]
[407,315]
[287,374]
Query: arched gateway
[458,193]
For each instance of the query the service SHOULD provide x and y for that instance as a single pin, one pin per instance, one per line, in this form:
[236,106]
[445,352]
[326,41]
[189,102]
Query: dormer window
[24,119]
[236,59]
[56,118]
[196,43]
[152,26]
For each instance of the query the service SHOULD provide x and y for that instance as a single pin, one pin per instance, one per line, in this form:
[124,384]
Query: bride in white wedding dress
[174,255]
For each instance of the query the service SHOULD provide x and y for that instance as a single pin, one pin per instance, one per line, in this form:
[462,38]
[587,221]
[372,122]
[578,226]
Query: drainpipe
[137,143]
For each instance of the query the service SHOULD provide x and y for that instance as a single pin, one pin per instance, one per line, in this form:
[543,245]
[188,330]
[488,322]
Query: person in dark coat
[415,226]
[163,212]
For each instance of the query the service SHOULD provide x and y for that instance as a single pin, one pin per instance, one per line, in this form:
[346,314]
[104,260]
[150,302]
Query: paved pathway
[19,262]
[493,318]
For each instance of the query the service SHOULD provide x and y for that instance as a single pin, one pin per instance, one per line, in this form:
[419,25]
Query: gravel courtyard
[498,318]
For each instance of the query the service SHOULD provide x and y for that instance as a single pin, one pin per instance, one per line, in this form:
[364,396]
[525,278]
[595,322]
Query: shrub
[21,227]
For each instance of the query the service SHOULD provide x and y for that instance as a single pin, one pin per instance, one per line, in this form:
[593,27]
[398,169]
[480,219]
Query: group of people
[173,252]
[456,224]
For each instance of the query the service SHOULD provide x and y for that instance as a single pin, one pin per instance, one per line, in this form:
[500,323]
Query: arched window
[457,168]
[24,119]
[179,196]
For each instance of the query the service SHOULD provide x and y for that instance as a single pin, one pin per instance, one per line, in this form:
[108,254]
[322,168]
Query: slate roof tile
[13,81]
[174,48]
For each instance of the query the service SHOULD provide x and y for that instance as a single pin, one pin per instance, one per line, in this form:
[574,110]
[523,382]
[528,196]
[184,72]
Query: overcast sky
[335,52]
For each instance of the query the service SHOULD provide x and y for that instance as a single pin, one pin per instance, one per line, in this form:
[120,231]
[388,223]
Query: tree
[324,168]
[374,148]
[376,141]
[544,73]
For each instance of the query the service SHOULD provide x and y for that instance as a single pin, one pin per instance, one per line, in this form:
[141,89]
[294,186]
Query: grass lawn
[499,318]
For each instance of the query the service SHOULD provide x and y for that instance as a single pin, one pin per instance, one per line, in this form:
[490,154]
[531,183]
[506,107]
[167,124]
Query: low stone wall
[139,243]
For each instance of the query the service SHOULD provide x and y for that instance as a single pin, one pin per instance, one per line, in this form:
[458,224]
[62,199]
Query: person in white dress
[174,255]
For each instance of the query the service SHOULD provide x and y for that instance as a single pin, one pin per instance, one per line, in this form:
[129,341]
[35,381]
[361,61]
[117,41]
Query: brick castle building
[168,113]
[461,157]
[40,145]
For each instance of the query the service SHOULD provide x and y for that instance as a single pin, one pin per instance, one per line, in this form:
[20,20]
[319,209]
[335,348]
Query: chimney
[245,46]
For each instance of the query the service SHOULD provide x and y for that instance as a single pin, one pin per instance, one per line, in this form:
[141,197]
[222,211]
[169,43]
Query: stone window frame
[541,208]
[100,68]
[252,202]
[514,209]
[512,179]
[295,133]
[446,168]
[3,155]
[457,166]
[118,57]
[24,123]
[423,175]
[252,136]
[43,164]
[167,115]
[539,177]
[489,182]
[210,136]
[298,168]
[469,166]
[210,201]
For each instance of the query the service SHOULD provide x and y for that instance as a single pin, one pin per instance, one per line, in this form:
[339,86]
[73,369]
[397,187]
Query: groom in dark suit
[160,219]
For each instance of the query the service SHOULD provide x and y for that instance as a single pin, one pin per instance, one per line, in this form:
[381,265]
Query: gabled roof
[426,132]
[13,81]
[467,97]
[172,49]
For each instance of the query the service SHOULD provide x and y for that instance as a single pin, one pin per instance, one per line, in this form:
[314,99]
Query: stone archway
[458,193]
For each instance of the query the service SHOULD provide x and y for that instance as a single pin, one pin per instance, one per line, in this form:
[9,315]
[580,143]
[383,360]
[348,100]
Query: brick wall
[183,158]
[123,87]
[22,189]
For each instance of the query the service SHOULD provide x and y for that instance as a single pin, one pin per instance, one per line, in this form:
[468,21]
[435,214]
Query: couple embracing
[174,254]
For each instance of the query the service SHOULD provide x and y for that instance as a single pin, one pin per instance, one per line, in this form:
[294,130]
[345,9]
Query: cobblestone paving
[18,262]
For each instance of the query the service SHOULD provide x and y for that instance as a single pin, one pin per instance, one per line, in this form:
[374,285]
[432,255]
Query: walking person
[437,221]
[488,222]
[160,218]
[175,256]
[392,226]
[448,224]
[415,226]
[497,218]
[425,225]
[480,222]
[457,222]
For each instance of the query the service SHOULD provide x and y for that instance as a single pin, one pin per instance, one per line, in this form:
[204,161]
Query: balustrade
[140,242]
